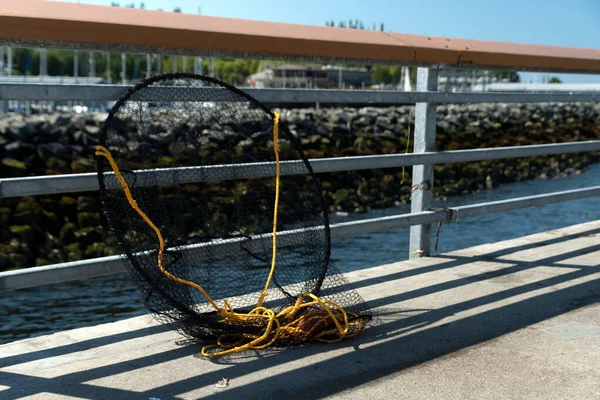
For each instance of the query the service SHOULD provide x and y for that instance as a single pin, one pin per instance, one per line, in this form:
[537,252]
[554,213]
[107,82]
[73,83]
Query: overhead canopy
[91,27]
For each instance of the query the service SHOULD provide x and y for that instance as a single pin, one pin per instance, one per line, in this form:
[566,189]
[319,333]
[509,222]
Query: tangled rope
[309,317]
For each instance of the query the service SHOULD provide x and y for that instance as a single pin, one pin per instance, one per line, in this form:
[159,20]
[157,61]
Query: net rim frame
[101,170]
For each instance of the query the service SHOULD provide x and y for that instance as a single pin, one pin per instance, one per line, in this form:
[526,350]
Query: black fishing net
[200,165]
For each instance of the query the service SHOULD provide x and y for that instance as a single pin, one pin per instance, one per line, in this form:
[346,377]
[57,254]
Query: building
[309,76]
[538,87]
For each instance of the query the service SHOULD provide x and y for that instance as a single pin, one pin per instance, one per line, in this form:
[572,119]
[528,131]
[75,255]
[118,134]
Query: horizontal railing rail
[88,182]
[57,92]
[89,27]
[84,269]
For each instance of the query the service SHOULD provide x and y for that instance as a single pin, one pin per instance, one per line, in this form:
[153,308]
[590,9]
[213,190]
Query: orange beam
[99,27]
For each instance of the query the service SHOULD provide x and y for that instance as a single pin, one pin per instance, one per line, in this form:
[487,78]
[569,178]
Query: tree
[353,24]
[554,79]
[177,9]
[512,76]
[382,74]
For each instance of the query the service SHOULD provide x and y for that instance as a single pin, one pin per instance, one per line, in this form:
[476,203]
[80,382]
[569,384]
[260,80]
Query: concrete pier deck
[518,319]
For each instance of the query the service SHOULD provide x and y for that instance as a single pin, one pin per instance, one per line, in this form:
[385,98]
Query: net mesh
[200,164]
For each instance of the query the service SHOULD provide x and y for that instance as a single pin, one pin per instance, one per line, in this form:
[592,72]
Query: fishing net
[194,187]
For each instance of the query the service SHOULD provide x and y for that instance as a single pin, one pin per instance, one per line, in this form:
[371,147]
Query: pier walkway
[519,319]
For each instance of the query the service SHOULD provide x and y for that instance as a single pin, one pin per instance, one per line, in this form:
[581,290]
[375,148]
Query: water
[42,310]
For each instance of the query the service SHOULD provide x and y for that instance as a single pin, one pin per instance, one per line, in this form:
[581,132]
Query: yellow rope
[407,142]
[287,324]
[103,151]
[263,294]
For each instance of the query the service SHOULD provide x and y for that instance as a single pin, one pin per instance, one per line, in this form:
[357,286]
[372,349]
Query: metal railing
[426,98]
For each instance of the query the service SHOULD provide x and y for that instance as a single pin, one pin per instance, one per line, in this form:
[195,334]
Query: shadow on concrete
[400,339]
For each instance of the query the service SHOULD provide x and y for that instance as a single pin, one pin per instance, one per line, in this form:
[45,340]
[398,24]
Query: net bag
[221,219]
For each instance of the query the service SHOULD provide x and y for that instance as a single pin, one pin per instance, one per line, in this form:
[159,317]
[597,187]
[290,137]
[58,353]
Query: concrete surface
[513,320]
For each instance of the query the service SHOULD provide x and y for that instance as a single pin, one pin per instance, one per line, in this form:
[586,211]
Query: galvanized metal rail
[54,92]
[88,182]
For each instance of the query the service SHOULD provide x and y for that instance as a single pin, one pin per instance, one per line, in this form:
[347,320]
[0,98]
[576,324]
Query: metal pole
[183,64]
[92,64]
[9,60]
[123,69]
[422,177]
[43,64]
[3,104]
[148,66]
[159,64]
[108,68]
[76,65]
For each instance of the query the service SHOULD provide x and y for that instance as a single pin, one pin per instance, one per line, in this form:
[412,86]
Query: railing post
[422,177]
[3,104]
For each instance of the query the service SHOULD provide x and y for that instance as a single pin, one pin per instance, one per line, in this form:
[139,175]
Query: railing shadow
[401,338]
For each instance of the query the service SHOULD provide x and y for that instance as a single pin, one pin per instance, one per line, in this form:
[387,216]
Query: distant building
[462,80]
[309,76]
[538,87]
[66,80]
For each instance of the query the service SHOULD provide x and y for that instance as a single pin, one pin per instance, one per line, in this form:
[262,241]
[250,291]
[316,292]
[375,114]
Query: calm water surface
[37,311]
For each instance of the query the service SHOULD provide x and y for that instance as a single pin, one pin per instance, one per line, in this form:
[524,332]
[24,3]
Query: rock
[92,130]
[47,150]
[161,139]
[18,260]
[88,219]
[55,165]
[100,118]
[19,130]
[23,232]
[59,119]
[67,233]
[387,134]
[51,242]
[85,139]
[88,204]
[18,149]
[82,165]
[56,256]
[88,236]
[98,250]
[5,213]
[26,218]
[13,165]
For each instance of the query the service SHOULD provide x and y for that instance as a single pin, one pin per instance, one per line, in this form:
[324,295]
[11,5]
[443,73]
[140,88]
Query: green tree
[554,79]
[382,74]
[512,76]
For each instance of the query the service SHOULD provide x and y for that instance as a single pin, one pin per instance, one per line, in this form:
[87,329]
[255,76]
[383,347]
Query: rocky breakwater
[368,131]
[41,230]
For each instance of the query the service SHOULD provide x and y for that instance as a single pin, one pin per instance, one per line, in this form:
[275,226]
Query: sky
[573,23]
